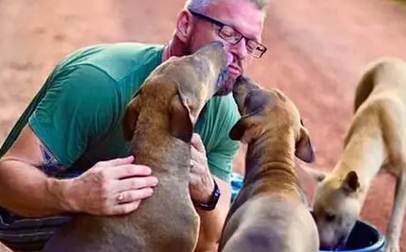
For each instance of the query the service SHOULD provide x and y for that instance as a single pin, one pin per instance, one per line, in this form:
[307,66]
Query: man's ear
[351,183]
[184,25]
[304,149]
[130,118]
[182,123]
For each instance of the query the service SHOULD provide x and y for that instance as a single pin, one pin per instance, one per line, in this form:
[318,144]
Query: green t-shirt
[77,113]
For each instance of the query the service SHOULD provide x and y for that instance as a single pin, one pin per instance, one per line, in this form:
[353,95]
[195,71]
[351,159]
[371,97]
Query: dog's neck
[270,161]
[156,147]
[363,155]
[270,168]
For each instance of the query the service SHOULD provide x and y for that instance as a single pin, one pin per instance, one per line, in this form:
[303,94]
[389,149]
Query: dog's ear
[244,129]
[304,149]
[130,118]
[351,183]
[181,118]
[255,102]
[237,131]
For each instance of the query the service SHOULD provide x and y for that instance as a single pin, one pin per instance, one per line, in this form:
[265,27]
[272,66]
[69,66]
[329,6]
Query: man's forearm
[212,222]
[27,191]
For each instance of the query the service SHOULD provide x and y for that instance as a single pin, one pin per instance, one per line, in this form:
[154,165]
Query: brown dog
[268,214]
[159,121]
[375,141]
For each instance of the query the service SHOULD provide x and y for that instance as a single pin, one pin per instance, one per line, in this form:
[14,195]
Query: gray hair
[200,5]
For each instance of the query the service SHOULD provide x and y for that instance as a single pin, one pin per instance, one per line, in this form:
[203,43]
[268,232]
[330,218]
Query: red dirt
[316,53]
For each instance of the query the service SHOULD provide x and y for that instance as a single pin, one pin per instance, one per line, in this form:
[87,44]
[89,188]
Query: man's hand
[111,187]
[201,183]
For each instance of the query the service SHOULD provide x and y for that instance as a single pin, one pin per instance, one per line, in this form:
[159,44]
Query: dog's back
[272,223]
[380,103]
[148,229]
[385,74]
[159,121]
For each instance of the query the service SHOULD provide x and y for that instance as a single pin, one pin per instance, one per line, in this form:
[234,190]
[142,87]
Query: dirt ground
[316,52]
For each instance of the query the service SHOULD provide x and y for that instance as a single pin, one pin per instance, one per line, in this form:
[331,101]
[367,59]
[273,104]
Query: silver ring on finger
[192,164]
[120,197]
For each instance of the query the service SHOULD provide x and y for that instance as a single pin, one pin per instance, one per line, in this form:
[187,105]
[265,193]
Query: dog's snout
[213,47]
[230,59]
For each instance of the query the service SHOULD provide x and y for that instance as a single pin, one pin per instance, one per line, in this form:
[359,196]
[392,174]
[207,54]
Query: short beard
[227,87]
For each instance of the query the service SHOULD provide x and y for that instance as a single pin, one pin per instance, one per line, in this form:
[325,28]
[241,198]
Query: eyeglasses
[232,36]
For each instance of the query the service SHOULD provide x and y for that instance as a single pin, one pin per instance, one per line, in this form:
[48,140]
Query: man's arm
[27,191]
[65,121]
[212,221]
[201,188]
[23,186]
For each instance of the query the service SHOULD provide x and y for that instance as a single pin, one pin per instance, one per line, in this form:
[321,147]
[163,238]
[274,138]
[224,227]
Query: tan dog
[376,140]
[160,122]
[268,214]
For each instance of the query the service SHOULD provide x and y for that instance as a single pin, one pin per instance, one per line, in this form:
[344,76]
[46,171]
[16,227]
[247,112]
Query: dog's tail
[365,86]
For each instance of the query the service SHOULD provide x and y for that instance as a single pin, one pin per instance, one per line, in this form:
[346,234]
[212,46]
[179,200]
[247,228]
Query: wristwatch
[214,198]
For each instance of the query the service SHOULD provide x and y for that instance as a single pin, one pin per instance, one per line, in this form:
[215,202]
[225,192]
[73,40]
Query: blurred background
[316,52]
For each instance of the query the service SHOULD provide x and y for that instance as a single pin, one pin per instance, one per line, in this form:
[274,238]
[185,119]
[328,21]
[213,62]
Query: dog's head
[268,111]
[182,85]
[336,208]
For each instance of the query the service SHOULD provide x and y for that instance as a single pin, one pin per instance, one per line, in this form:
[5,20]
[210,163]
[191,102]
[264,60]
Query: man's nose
[239,49]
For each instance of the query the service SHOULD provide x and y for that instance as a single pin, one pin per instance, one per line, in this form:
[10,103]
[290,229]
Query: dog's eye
[330,217]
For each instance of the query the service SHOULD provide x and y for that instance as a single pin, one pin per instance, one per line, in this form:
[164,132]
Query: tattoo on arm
[50,165]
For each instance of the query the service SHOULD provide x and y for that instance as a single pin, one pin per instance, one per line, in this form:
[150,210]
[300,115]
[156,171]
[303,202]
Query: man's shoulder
[117,60]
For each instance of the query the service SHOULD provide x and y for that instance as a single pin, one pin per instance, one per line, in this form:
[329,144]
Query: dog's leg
[398,211]
[392,121]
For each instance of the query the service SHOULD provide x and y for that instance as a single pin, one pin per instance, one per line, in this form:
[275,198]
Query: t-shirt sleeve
[79,105]
[220,158]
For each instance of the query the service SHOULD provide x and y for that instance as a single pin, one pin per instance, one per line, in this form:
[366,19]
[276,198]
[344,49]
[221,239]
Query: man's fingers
[131,200]
[136,183]
[129,170]
[194,179]
[125,208]
[197,142]
[195,153]
[135,195]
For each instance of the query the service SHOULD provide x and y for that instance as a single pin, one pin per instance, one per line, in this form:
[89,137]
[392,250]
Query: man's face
[242,17]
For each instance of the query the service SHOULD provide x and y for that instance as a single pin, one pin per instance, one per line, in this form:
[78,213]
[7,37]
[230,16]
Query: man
[66,153]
